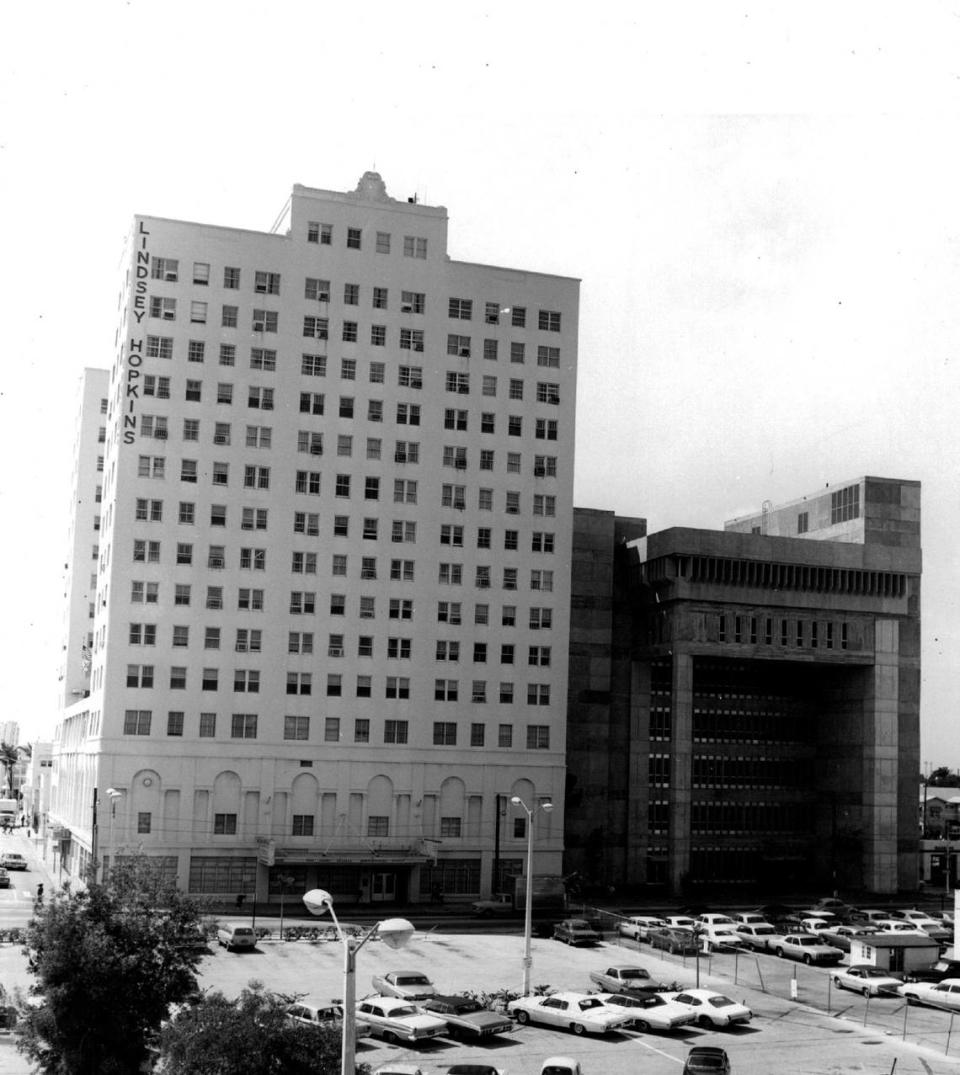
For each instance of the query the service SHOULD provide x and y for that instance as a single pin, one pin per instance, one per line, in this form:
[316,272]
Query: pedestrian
[40,893]
[240,900]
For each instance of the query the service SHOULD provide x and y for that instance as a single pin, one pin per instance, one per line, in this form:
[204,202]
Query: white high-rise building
[331,540]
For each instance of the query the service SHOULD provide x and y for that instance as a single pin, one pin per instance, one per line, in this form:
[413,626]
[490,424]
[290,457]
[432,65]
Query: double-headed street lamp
[546,807]
[394,931]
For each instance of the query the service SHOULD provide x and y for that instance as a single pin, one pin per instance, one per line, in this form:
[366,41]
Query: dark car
[4,878]
[575,931]
[467,1017]
[677,941]
[706,1060]
[936,972]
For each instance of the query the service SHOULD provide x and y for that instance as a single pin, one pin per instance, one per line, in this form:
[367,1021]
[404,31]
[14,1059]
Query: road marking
[652,1048]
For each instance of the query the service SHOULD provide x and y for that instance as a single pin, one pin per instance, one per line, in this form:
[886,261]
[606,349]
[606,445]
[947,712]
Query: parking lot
[800,1037]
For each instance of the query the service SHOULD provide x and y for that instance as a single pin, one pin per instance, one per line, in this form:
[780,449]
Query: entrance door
[383,887]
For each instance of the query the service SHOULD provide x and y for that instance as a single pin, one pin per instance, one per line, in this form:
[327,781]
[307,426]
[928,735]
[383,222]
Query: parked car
[4,878]
[639,926]
[235,935]
[328,1015]
[896,925]
[706,1060]
[937,930]
[749,918]
[681,921]
[868,915]
[713,1009]
[398,1067]
[560,1065]
[833,904]
[936,972]
[815,925]
[466,1017]
[652,1012]
[676,941]
[945,994]
[575,931]
[395,1020]
[474,1069]
[866,979]
[501,904]
[13,860]
[627,979]
[758,937]
[579,1012]
[713,919]
[406,984]
[720,938]
[807,948]
[840,936]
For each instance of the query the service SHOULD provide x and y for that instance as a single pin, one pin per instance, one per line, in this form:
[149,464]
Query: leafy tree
[107,963]
[250,1035]
[942,777]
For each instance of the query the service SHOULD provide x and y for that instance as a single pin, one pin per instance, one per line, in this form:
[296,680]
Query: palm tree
[9,756]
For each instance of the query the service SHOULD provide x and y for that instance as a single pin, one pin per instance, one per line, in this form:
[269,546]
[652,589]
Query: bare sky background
[760,198]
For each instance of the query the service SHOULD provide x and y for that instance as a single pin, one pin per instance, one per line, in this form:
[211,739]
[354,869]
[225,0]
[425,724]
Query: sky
[760,199]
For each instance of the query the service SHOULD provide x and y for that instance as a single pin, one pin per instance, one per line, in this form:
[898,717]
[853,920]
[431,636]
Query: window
[544,505]
[509,577]
[319,233]
[400,609]
[368,567]
[460,309]
[354,237]
[156,386]
[378,337]
[165,309]
[506,653]
[225,393]
[481,614]
[349,332]
[548,356]
[508,616]
[548,392]
[518,317]
[331,729]
[302,563]
[371,489]
[383,242]
[445,690]
[378,825]
[299,642]
[296,727]
[505,735]
[208,725]
[408,414]
[338,604]
[160,347]
[231,278]
[448,651]
[451,574]
[165,269]
[541,580]
[403,531]
[178,678]
[483,577]
[334,685]
[395,731]
[517,353]
[405,491]
[262,358]
[845,505]
[224,824]
[803,522]
[512,503]
[250,599]
[253,519]
[541,619]
[302,825]
[306,522]
[514,425]
[544,466]
[214,599]
[361,730]
[398,687]
[316,328]
[410,376]
[181,636]
[548,321]
[303,602]
[265,320]
[308,481]
[211,638]
[453,496]
[266,283]
[539,656]
[444,733]
[221,473]
[137,721]
[229,316]
[451,535]
[413,302]
[455,457]
[228,354]
[414,246]
[260,398]
[538,737]
[506,693]
[486,458]
[485,499]
[243,726]
[459,346]
[374,410]
[411,339]
[448,612]
[546,429]
[198,313]
[175,723]
[477,731]
[346,407]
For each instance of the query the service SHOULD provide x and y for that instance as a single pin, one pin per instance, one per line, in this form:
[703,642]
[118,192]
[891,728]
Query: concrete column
[880,762]
[681,694]
[636,832]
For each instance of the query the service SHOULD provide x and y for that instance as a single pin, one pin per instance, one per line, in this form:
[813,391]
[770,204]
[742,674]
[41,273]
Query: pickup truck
[626,979]
[499,904]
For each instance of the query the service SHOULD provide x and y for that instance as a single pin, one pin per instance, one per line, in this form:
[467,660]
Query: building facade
[317,626]
[759,719]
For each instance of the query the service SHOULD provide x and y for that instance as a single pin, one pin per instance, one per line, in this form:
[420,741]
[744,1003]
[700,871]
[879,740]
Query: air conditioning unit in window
[335,651]
[406,309]
[219,438]
[216,562]
[418,347]
[169,315]
[460,505]
[539,472]
[170,277]
[464,352]
[316,449]
[323,296]
[484,584]
[259,326]
[460,464]
[323,334]
[160,434]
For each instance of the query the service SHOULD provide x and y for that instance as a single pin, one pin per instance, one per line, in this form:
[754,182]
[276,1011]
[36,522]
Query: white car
[758,936]
[720,937]
[815,925]
[395,1020]
[711,919]
[713,1009]
[406,984]
[653,1012]
[945,994]
[639,926]
[896,925]
[866,979]
[681,921]
[327,1015]
[579,1012]
[13,860]
[749,918]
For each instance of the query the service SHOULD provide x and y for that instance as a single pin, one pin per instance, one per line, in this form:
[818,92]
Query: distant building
[10,733]
[318,582]
[758,720]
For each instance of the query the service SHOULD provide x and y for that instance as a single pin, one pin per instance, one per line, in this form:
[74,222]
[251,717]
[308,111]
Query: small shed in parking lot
[893,951]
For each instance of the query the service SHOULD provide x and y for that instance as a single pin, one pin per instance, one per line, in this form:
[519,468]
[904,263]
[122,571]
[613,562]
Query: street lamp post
[546,807]
[395,933]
